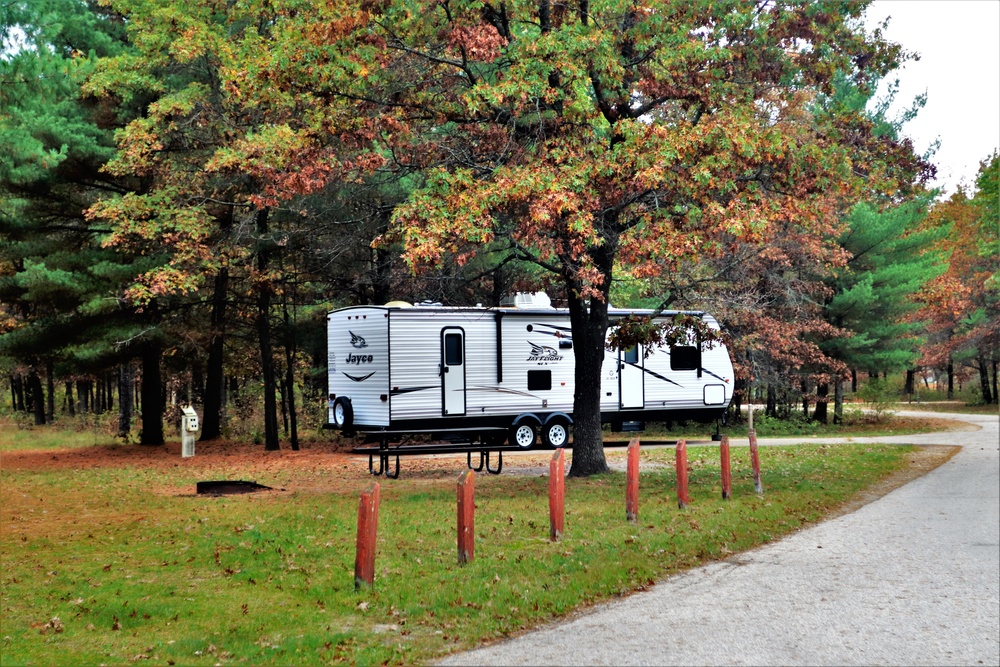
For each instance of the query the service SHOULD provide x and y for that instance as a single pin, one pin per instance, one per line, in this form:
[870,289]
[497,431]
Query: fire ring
[227,487]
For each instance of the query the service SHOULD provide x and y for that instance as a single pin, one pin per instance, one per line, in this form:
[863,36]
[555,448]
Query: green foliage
[879,397]
[892,259]
[59,283]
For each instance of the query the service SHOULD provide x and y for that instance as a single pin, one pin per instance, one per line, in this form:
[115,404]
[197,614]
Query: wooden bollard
[682,474]
[466,517]
[755,461]
[557,495]
[364,559]
[727,476]
[632,481]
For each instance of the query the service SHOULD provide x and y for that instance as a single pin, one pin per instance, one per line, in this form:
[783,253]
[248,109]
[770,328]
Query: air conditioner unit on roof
[527,300]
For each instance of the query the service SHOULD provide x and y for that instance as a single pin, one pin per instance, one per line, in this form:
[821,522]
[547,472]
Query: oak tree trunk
[589,324]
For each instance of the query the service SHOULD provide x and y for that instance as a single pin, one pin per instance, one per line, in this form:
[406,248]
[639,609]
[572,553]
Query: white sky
[959,69]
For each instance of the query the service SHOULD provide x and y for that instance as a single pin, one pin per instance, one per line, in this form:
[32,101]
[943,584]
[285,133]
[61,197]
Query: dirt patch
[934,424]
[923,460]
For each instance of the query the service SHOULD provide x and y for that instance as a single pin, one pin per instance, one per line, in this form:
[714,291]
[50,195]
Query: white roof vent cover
[527,300]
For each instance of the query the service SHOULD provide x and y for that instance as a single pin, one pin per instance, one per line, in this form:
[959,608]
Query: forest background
[186,189]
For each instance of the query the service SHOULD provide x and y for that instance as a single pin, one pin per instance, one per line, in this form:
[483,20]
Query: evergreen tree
[892,259]
[58,280]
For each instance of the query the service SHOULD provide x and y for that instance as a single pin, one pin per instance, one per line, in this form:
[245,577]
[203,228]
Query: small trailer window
[631,355]
[684,358]
[453,349]
[539,380]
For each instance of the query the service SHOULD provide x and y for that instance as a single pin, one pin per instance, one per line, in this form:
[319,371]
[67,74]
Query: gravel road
[910,579]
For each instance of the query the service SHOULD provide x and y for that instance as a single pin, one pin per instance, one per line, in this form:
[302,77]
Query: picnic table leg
[371,467]
[387,473]
[469,460]
[499,467]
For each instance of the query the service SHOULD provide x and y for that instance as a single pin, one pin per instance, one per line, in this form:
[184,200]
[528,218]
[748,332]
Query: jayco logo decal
[357,341]
[543,353]
[357,359]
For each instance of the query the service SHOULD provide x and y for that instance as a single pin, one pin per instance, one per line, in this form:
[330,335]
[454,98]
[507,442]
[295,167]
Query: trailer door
[630,378]
[453,371]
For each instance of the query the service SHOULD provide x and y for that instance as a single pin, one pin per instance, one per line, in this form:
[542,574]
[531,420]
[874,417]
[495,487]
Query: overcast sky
[959,69]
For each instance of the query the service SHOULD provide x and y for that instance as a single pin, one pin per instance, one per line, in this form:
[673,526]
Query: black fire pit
[228,487]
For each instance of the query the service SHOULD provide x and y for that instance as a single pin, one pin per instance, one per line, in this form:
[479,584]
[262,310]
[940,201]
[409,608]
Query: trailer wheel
[523,435]
[343,413]
[555,433]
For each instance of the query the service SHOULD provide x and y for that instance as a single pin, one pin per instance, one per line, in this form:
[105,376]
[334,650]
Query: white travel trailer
[507,371]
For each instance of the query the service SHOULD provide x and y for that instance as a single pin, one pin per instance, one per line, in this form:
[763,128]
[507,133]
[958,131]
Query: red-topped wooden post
[727,476]
[755,461]
[632,481]
[466,517]
[682,474]
[364,559]
[557,495]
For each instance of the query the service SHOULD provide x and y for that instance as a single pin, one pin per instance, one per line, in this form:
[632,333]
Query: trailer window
[685,358]
[453,349]
[631,355]
[539,380]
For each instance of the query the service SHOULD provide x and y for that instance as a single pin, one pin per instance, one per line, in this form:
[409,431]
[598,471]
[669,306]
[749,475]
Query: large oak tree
[638,134]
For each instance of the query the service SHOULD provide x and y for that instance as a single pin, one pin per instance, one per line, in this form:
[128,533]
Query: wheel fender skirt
[526,417]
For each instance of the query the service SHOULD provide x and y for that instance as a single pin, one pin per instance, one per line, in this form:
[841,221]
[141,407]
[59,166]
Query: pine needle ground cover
[108,556]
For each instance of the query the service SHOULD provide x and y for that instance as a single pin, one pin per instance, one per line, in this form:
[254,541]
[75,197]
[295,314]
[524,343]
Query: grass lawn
[107,555]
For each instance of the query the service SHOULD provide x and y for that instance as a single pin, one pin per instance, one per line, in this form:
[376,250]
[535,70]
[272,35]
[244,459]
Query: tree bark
[50,387]
[820,413]
[382,275]
[125,380]
[854,381]
[589,324]
[838,400]
[951,378]
[70,403]
[263,325]
[996,396]
[805,399]
[984,380]
[37,397]
[152,394]
[290,378]
[17,387]
[211,426]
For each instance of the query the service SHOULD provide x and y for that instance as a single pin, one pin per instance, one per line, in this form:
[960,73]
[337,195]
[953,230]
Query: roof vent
[527,300]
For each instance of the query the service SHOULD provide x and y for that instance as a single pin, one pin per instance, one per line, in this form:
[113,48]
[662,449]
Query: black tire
[555,433]
[343,413]
[523,435]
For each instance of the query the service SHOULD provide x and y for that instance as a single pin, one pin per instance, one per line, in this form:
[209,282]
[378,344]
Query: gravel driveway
[910,579]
